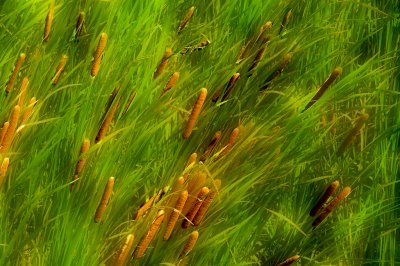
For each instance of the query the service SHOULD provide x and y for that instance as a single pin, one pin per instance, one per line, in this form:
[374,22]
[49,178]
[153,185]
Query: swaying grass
[265,154]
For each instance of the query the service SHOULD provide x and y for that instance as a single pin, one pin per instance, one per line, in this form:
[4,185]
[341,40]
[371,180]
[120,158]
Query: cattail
[190,244]
[230,86]
[143,209]
[98,54]
[193,211]
[17,66]
[216,95]
[172,81]
[124,251]
[195,113]
[185,20]
[145,241]
[334,75]
[190,162]
[28,110]
[259,56]
[22,90]
[211,146]
[79,25]
[4,167]
[11,129]
[286,60]
[59,69]
[3,132]
[285,20]
[106,122]
[104,199]
[332,205]
[180,203]
[48,23]
[231,141]
[81,163]
[352,134]
[128,103]
[324,198]
[203,208]
[289,260]
[163,63]
[241,53]
[111,100]
[178,184]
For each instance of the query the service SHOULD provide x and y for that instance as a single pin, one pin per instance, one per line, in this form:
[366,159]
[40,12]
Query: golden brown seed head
[104,199]
[124,251]
[48,23]
[98,54]
[79,24]
[190,244]
[195,113]
[17,66]
[324,198]
[8,137]
[180,203]
[289,261]
[3,169]
[28,110]
[59,69]
[185,20]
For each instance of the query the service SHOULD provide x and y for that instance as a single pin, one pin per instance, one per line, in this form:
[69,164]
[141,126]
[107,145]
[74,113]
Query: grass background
[272,176]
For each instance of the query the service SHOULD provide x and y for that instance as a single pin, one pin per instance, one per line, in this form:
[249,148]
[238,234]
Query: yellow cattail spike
[79,25]
[22,91]
[352,134]
[48,23]
[104,199]
[143,209]
[230,86]
[163,63]
[324,198]
[8,137]
[146,239]
[128,103]
[171,83]
[195,208]
[106,122]
[211,146]
[81,163]
[185,20]
[98,54]
[17,66]
[195,113]
[332,205]
[28,110]
[60,69]
[231,142]
[3,169]
[3,132]
[180,203]
[189,244]
[124,251]
[289,261]
[206,203]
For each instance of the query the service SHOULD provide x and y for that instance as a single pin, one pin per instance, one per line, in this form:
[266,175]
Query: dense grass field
[244,111]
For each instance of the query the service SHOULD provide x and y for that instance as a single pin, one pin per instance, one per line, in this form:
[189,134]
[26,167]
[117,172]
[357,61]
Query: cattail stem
[48,23]
[22,91]
[286,60]
[230,86]
[324,198]
[185,20]
[28,110]
[195,113]
[334,75]
[3,169]
[8,137]
[98,54]
[59,69]
[104,199]
[180,203]
[350,137]
[193,211]
[106,122]
[163,63]
[128,103]
[145,241]
[124,251]
[332,205]
[211,146]
[285,21]
[189,244]
[79,25]
[81,163]
[3,132]
[289,261]
[171,83]
[17,66]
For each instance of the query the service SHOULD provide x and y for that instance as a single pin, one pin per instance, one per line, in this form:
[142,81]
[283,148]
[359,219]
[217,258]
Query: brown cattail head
[195,113]
[352,134]
[81,163]
[79,25]
[257,59]
[185,20]
[180,203]
[289,261]
[128,103]
[324,198]
[3,169]
[285,21]
[285,60]
[48,23]
[28,110]
[172,81]
[332,205]
[59,69]
[22,91]
[230,86]
[203,208]
[104,199]
[211,146]
[106,122]
[125,250]
[8,137]
[17,66]
[216,95]
[266,26]
[193,211]
[3,132]
[146,239]
[333,76]
[229,145]
[98,54]
[163,63]
[178,184]
[190,244]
